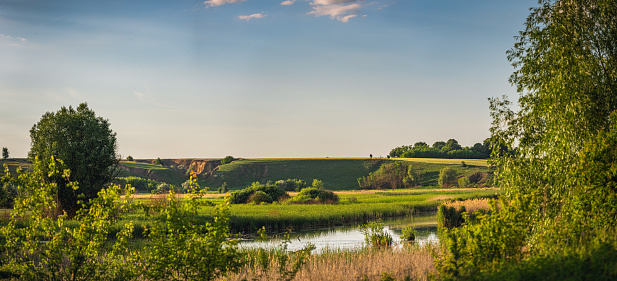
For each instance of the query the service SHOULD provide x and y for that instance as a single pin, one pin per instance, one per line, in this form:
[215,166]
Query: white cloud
[341,10]
[214,3]
[288,2]
[253,16]
[12,41]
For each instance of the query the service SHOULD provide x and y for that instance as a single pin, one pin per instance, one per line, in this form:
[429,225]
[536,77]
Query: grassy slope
[337,174]
[171,176]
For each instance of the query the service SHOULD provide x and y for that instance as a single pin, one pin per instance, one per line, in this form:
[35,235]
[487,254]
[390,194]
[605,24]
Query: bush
[447,176]
[272,190]
[259,197]
[8,194]
[475,177]
[227,160]
[314,195]
[138,183]
[129,158]
[375,235]
[408,233]
[463,182]
[158,161]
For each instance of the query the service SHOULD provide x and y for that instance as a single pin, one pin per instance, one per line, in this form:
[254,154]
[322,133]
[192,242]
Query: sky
[259,78]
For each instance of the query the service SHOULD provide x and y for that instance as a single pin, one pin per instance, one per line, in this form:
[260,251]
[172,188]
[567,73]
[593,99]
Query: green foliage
[375,235]
[158,161]
[184,249]
[408,233]
[227,160]
[129,158]
[317,184]
[315,195]
[140,184]
[5,153]
[449,217]
[259,197]
[463,182]
[389,176]
[285,263]
[447,176]
[450,149]
[85,143]
[46,249]
[291,184]
[223,188]
[274,192]
[555,157]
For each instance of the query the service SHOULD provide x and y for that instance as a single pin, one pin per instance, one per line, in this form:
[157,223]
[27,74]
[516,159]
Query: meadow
[354,207]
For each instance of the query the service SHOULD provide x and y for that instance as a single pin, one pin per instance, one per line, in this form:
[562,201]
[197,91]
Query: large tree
[85,143]
[559,172]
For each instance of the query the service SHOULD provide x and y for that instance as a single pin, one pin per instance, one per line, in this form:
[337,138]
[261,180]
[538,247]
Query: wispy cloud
[214,3]
[253,16]
[12,41]
[288,2]
[341,10]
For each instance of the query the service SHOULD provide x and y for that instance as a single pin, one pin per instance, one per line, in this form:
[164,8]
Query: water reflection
[348,238]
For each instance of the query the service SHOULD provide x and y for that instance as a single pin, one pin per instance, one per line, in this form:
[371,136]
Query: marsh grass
[471,205]
[405,263]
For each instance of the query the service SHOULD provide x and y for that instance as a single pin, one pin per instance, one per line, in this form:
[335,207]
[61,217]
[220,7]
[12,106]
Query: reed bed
[471,205]
[405,263]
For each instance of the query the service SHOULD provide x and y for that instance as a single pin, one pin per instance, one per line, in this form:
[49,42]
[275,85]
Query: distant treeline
[450,149]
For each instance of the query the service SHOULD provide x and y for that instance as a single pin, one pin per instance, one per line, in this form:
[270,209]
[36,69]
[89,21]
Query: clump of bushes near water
[259,193]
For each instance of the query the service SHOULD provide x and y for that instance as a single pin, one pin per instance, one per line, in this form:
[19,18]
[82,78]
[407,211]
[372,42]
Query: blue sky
[259,78]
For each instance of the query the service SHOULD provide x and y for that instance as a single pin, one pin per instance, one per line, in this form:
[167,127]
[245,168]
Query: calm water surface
[349,238]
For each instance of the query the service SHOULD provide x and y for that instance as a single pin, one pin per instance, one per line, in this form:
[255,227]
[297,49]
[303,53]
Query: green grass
[364,207]
[337,174]
[160,173]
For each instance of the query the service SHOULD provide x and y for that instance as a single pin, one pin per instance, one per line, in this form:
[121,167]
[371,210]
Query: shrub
[314,195]
[449,217]
[317,184]
[138,183]
[223,188]
[8,194]
[227,160]
[375,235]
[447,176]
[129,158]
[158,161]
[463,182]
[475,177]
[259,197]
[272,190]
[408,233]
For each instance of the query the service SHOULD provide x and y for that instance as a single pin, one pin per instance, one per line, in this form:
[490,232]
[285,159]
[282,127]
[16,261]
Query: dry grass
[471,162]
[413,262]
[471,205]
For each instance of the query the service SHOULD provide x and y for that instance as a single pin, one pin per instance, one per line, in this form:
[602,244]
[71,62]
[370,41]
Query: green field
[354,207]
[336,173]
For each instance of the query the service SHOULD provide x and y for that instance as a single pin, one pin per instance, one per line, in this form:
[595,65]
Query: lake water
[349,238]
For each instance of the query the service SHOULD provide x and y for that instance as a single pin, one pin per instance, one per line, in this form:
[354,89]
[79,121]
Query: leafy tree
[227,159]
[438,145]
[86,144]
[447,176]
[5,153]
[419,145]
[558,172]
[129,158]
[452,144]
[223,188]
[158,161]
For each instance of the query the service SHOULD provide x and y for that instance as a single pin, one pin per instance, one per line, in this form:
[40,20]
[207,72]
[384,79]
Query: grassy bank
[354,207]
